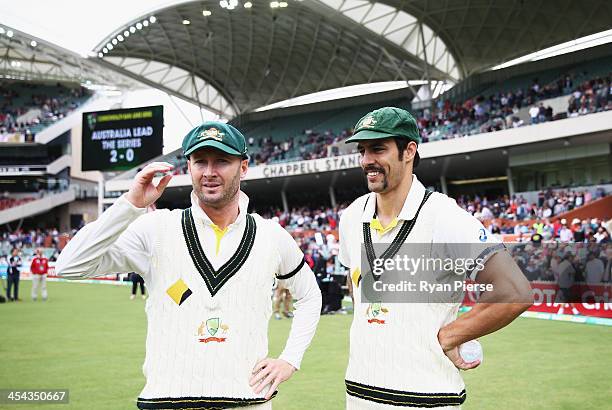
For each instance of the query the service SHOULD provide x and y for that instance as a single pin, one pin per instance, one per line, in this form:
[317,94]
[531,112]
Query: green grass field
[90,339]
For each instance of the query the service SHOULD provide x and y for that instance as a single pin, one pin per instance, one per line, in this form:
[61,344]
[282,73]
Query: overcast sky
[80,25]
[76,25]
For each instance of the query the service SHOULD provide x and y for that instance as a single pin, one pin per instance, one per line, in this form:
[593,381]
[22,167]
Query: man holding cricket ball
[410,354]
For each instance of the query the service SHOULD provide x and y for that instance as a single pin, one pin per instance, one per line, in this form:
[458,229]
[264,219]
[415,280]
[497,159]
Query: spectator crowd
[499,111]
[550,203]
[28,240]
[8,202]
[16,102]
[447,119]
[544,235]
[565,264]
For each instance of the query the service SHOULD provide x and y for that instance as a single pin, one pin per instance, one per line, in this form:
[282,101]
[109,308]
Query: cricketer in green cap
[387,122]
[218,160]
[217,135]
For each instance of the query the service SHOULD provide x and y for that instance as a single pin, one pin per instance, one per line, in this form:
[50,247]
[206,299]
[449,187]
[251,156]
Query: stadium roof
[25,57]
[234,59]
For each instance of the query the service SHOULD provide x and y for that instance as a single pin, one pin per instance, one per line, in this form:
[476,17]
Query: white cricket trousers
[263,406]
[355,403]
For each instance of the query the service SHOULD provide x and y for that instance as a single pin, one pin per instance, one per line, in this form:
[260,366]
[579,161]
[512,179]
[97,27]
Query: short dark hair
[402,145]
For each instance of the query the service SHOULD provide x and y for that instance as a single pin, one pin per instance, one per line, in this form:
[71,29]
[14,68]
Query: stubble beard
[227,195]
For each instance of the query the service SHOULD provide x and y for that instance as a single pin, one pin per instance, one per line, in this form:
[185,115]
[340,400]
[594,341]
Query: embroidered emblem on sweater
[213,330]
[375,312]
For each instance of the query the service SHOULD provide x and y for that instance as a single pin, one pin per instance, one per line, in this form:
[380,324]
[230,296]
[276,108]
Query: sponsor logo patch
[179,292]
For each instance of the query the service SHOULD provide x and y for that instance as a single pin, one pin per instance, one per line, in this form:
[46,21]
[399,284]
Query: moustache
[211,181]
[372,168]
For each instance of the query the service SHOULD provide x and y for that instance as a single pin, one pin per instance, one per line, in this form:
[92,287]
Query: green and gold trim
[403,398]
[215,279]
[208,403]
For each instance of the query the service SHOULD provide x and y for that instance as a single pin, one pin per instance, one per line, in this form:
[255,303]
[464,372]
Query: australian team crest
[213,330]
[367,122]
[211,133]
[375,313]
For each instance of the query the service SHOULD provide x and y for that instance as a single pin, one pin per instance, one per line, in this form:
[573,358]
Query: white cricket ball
[471,351]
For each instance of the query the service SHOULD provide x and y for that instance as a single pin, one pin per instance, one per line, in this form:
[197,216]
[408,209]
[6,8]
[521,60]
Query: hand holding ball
[471,351]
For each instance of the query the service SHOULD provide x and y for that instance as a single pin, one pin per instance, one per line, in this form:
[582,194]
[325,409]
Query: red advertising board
[595,299]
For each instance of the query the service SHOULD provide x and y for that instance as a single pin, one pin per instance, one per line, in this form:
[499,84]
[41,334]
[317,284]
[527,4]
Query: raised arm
[116,242]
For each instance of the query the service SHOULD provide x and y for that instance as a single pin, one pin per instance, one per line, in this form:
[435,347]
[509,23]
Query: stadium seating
[496,107]
[571,91]
[506,106]
[315,229]
[6,203]
[28,108]
[304,136]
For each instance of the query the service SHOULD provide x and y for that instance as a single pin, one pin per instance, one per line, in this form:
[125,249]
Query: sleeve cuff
[293,361]
[122,202]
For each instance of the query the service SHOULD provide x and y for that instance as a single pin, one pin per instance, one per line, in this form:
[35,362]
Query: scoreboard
[119,140]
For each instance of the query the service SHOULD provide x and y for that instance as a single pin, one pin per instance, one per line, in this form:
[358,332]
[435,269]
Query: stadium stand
[315,229]
[320,134]
[6,203]
[27,108]
[507,108]
[584,90]
[550,203]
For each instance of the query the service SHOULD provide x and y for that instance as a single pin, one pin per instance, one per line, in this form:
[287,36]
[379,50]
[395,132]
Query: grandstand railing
[59,164]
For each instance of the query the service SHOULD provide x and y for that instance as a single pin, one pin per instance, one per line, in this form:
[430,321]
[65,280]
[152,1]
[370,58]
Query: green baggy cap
[217,135]
[387,122]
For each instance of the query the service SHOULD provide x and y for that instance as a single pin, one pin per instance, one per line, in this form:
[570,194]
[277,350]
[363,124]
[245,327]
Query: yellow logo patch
[179,292]
[355,276]
[212,133]
[367,122]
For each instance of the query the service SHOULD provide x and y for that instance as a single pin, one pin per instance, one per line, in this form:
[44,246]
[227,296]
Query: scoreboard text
[119,140]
